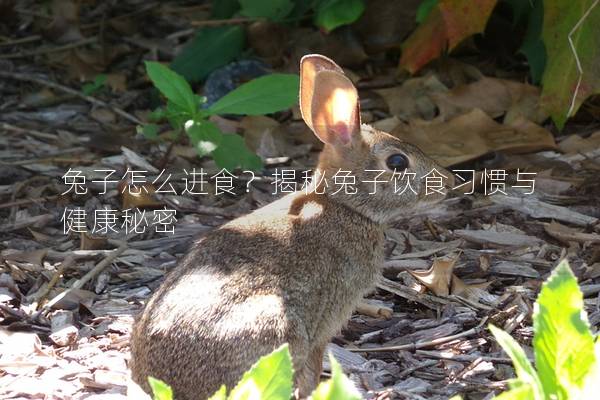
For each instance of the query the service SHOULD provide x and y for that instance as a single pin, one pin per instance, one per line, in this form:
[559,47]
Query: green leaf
[173,86]
[525,373]
[269,379]
[224,9]
[92,87]
[533,47]
[563,87]
[160,390]
[563,342]
[338,387]
[264,95]
[204,135]
[220,394]
[210,49]
[233,153]
[424,9]
[274,10]
[524,392]
[150,131]
[176,115]
[331,14]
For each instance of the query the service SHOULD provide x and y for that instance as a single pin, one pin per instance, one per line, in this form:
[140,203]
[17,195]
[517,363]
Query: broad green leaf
[564,88]
[220,394]
[271,9]
[525,372]
[331,14]
[92,87]
[223,9]
[204,135]
[160,390]
[173,86]
[233,153]
[150,131]
[264,95]
[563,343]
[269,379]
[338,387]
[210,49]
[448,23]
[533,46]
[176,115]
[424,9]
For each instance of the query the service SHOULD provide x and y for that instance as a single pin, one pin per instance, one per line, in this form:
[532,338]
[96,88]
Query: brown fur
[292,271]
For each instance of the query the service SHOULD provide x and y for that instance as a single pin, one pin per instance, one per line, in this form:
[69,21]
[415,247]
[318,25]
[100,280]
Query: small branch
[220,22]
[430,343]
[78,284]
[47,50]
[44,82]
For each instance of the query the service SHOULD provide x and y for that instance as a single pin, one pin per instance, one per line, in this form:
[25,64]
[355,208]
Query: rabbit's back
[255,283]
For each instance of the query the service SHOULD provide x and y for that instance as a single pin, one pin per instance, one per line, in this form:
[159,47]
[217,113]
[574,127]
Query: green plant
[566,351]
[264,95]
[271,379]
[213,47]
[97,84]
[559,43]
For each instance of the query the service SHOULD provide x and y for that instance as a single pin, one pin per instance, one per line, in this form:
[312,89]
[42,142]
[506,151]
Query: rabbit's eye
[397,162]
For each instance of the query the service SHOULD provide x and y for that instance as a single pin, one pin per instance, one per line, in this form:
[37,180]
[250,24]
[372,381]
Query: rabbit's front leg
[307,377]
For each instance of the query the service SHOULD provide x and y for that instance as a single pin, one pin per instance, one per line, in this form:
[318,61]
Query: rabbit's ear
[335,113]
[309,66]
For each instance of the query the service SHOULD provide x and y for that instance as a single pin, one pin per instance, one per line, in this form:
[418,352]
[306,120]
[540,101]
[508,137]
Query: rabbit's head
[370,171]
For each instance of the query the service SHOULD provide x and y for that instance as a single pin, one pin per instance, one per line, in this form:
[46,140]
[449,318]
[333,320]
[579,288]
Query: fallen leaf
[438,277]
[89,242]
[384,24]
[472,135]
[446,25]
[564,86]
[141,196]
[576,144]
[413,99]
[497,97]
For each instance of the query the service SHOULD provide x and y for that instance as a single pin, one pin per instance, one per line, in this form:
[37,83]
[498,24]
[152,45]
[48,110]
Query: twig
[32,132]
[463,357]
[47,50]
[54,280]
[28,201]
[219,22]
[28,39]
[429,343]
[78,284]
[58,86]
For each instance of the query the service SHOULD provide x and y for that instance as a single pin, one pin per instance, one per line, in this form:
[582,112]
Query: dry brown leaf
[117,82]
[476,293]
[438,277]
[64,27]
[35,257]
[494,96]
[567,234]
[413,98]
[472,135]
[89,242]
[384,24]
[140,197]
[576,144]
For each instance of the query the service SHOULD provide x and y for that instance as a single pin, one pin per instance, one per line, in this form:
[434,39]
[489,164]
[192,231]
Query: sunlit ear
[335,110]
[309,66]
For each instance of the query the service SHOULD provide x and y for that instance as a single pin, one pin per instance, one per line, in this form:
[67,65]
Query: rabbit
[290,272]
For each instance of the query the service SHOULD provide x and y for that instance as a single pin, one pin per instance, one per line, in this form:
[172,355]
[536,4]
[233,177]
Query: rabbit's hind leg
[308,375]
